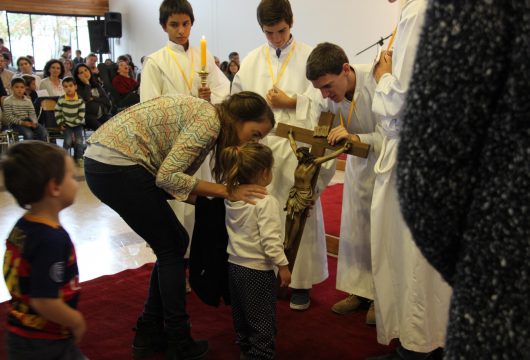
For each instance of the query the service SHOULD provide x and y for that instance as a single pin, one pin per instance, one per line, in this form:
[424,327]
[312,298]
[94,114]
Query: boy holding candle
[276,70]
[174,68]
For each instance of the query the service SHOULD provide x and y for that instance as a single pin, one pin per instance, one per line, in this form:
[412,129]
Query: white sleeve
[310,104]
[390,92]
[374,139]
[271,230]
[151,84]
[217,81]
[237,86]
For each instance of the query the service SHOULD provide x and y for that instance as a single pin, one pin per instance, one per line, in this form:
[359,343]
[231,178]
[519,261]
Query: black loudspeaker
[96,32]
[113,25]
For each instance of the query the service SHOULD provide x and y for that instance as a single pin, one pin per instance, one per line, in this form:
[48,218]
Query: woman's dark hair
[243,164]
[237,109]
[232,62]
[170,7]
[49,65]
[75,74]
[325,59]
[28,166]
[271,12]
[67,48]
[224,67]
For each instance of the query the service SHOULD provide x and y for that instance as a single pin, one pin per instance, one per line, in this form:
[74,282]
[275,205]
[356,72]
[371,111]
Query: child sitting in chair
[70,117]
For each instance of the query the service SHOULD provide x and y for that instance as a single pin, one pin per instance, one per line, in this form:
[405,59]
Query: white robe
[161,76]
[354,267]
[311,262]
[411,299]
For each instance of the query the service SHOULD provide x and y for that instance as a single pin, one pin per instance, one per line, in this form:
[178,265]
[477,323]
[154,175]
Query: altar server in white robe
[411,298]
[174,70]
[347,91]
[277,70]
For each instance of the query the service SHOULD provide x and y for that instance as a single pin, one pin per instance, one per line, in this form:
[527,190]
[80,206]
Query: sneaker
[370,315]
[346,306]
[300,299]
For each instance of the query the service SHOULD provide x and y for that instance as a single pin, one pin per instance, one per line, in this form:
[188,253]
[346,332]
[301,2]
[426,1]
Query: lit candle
[203,53]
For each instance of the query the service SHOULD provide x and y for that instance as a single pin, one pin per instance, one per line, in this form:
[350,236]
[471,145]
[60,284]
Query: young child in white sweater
[255,248]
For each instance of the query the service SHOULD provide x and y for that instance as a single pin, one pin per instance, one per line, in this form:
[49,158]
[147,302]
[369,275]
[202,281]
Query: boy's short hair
[28,79]
[17,80]
[67,48]
[29,166]
[170,7]
[325,59]
[271,12]
[68,79]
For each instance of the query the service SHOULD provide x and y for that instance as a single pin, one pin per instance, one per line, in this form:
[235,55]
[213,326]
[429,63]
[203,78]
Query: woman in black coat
[97,103]
[464,170]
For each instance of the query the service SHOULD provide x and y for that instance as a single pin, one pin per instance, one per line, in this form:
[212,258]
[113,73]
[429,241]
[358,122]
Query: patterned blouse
[170,136]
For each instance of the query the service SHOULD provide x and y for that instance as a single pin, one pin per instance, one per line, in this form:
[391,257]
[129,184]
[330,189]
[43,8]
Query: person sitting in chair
[122,82]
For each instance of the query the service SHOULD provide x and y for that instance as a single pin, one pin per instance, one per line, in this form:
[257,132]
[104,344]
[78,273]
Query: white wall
[231,25]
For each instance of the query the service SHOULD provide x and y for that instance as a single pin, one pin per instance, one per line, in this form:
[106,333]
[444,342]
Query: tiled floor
[104,243]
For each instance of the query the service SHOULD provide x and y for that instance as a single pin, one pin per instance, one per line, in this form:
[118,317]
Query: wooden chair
[47,119]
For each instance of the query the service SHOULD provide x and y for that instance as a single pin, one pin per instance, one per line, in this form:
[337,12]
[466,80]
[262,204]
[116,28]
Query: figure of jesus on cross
[301,194]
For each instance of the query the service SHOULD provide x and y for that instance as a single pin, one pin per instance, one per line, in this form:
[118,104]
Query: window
[43,36]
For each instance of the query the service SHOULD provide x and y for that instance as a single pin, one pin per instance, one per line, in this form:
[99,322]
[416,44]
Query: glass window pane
[20,31]
[50,34]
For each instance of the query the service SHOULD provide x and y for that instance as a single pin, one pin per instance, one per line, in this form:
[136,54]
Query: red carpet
[331,200]
[112,303]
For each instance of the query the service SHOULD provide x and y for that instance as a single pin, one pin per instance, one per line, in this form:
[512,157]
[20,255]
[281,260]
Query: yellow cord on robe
[189,82]
[391,39]
[274,82]
[352,106]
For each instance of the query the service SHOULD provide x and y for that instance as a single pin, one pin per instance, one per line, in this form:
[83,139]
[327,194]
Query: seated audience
[70,117]
[91,62]
[68,66]
[25,67]
[233,68]
[78,58]
[8,63]
[53,73]
[67,53]
[122,82]
[5,75]
[20,114]
[224,67]
[31,89]
[96,100]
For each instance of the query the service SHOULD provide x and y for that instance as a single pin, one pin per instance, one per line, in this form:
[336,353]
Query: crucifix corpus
[306,173]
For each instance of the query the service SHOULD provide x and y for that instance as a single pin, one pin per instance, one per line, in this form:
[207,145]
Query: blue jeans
[38,133]
[131,192]
[74,135]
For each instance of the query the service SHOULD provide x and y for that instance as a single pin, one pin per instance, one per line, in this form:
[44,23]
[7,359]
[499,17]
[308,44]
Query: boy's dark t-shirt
[39,262]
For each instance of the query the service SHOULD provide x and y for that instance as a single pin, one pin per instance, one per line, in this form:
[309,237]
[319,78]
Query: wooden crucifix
[306,173]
